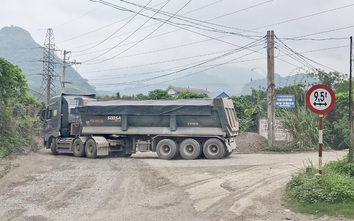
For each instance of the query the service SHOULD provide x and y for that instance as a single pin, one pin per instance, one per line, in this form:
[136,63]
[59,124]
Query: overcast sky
[157,41]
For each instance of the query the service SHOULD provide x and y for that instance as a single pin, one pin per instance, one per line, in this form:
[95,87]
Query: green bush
[336,185]
[341,166]
[16,129]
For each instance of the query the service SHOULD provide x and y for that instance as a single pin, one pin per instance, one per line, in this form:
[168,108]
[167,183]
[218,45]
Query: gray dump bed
[151,107]
[168,117]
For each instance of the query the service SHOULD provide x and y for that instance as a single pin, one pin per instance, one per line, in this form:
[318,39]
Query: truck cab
[59,116]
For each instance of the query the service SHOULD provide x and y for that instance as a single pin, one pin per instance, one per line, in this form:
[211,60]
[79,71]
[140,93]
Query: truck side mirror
[43,114]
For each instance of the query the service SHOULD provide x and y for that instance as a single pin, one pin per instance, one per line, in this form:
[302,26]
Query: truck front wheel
[214,149]
[190,149]
[78,148]
[91,148]
[167,149]
[53,146]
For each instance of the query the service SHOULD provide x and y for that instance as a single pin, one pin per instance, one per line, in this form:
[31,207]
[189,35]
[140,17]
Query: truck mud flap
[102,146]
[230,144]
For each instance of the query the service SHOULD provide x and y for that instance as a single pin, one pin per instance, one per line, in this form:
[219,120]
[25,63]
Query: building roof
[218,95]
[183,89]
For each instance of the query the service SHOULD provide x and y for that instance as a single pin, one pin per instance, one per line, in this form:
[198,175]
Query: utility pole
[65,64]
[350,102]
[270,88]
[63,76]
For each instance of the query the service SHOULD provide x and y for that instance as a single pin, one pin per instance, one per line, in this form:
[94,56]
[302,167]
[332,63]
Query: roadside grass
[277,148]
[322,209]
[330,194]
[286,147]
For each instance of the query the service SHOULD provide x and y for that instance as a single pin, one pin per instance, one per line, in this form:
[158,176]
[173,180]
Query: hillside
[261,84]
[18,47]
[228,79]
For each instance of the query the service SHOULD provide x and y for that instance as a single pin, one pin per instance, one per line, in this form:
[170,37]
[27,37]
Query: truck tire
[167,149]
[53,146]
[214,149]
[91,148]
[78,148]
[190,149]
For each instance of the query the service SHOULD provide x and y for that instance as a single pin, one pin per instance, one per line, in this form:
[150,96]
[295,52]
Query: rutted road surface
[40,186]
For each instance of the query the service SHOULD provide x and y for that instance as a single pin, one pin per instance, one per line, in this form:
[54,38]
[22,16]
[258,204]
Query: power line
[168,61]
[162,62]
[201,23]
[175,72]
[178,16]
[87,33]
[112,5]
[306,16]
[194,66]
[327,31]
[314,39]
[128,18]
[149,52]
[78,17]
[173,60]
[194,73]
[201,35]
[304,58]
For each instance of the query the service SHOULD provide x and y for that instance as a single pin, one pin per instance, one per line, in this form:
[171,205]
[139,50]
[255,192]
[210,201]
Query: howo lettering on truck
[81,125]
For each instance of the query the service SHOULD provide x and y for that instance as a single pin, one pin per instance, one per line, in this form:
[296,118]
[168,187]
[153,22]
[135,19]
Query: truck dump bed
[172,117]
[151,107]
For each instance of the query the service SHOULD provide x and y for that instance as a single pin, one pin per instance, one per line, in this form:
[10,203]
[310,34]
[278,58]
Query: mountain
[261,84]
[223,79]
[18,47]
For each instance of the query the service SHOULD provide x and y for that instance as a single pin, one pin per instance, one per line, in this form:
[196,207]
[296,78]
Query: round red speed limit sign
[320,99]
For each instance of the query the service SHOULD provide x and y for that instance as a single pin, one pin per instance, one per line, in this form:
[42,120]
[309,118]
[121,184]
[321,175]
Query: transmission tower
[47,85]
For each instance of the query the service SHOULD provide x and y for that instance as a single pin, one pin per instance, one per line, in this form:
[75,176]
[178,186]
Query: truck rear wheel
[78,148]
[91,148]
[214,149]
[190,149]
[167,149]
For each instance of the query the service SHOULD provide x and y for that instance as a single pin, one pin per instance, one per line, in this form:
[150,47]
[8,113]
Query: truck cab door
[50,126]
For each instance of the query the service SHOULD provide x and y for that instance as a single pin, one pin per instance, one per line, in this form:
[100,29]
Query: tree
[159,94]
[141,96]
[249,109]
[190,94]
[330,79]
[12,82]
[117,95]
[16,123]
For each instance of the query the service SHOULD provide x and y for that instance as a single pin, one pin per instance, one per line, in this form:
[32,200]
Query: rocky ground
[246,186]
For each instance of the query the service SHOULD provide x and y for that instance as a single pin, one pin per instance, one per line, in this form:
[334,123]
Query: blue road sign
[285,101]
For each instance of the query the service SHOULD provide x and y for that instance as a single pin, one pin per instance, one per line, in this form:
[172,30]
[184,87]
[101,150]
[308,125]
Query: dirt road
[40,186]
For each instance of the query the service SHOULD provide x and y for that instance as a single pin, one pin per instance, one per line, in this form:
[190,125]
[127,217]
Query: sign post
[320,99]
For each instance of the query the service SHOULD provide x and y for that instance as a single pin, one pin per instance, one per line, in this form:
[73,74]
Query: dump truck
[190,128]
